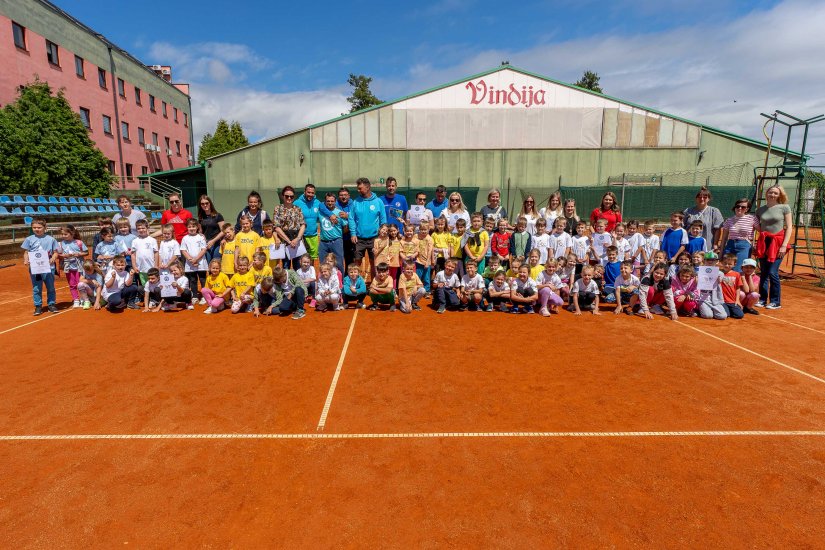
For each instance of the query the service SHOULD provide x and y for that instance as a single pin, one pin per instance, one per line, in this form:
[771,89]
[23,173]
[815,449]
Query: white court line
[790,323]
[46,317]
[29,296]
[765,357]
[322,422]
[422,435]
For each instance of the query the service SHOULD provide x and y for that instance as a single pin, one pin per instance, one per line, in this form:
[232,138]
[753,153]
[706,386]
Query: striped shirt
[741,227]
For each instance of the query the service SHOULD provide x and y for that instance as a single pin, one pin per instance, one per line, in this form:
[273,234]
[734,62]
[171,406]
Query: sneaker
[657,310]
[87,304]
[392,307]
[515,310]
[529,310]
[760,303]
[373,307]
[202,301]
[121,305]
[153,304]
[544,312]
[76,303]
[416,307]
[208,310]
[190,306]
[750,311]
[407,311]
[769,306]
[167,307]
[428,295]
[441,309]
[361,305]
[52,308]
[133,305]
[38,310]
[489,307]
[503,308]
[299,314]
[194,301]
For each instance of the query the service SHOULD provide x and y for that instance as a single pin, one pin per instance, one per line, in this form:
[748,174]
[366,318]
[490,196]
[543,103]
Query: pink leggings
[686,307]
[73,277]
[545,295]
[748,300]
[655,298]
[212,300]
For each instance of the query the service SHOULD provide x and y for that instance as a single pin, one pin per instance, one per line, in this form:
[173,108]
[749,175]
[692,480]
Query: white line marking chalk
[765,357]
[425,435]
[791,323]
[46,318]
[322,422]
[29,296]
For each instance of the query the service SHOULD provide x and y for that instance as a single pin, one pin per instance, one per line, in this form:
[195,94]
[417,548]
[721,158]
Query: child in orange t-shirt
[731,283]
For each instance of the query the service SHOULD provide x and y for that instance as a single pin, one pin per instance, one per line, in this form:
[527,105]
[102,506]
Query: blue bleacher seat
[18,199]
[53,209]
[98,201]
[72,200]
[73,209]
[27,220]
[29,210]
[4,199]
[109,201]
[30,199]
[16,210]
[64,209]
[111,209]
[53,200]
[42,200]
[42,209]
[84,210]
[142,208]
[63,200]
[91,208]
[4,212]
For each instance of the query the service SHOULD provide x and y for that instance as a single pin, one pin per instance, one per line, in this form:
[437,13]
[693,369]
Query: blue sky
[280,66]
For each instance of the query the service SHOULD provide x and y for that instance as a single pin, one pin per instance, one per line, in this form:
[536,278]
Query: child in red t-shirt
[731,283]
[749,294]
[500,243]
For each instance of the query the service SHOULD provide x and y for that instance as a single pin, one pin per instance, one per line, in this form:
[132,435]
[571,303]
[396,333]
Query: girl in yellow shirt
[227,249]
[243,287]
[216,288]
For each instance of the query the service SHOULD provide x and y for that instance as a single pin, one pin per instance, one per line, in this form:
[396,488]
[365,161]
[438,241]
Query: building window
[144,170]
[19,33]
[107,125]
[79,69]
[112,167]
[186,120]
[124,130]
[187,152]
[101,78]
[128,171]
[154,138]
[85,118]
[121,88]
[51,53]
[141,136]
[137,96]
[177,147]
[165,115]
[152,103]
[175,113]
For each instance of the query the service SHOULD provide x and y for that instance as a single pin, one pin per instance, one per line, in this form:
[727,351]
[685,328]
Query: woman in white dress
[553,209]
[528,210]
[455,210]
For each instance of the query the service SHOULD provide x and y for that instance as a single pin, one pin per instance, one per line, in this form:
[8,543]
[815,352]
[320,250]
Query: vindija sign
[481,93]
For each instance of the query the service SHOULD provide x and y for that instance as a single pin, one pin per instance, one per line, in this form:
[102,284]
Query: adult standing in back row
[395,205]
[775,228]
[493,209]
[710,216]
[177,215]
[253,210]
[366,215]
[126,211]
[608,210]
[439,203]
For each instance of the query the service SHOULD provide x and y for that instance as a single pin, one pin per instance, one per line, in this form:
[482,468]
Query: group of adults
[298,219]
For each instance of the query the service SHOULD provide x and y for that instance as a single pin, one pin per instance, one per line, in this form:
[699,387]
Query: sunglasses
[289,196]
[174,202]
[528,202]
[741,206]
[454,200]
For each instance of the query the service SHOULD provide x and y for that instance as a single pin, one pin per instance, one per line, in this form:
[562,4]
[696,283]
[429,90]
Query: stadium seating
[30,199]
[53,209]
[63,200]
[5,200]
[28,209]
[16,210]
[74,209]
[18,199]
[72,200]
[42,200]
[42,209]
[28,220]
[4,211]
[64,209]
[53,200]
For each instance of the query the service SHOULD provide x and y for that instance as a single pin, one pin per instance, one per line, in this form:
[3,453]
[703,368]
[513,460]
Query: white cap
[749,261]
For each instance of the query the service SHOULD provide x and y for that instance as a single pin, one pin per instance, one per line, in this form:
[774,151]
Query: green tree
[362,96]
[46,150]
[226,138]
[590,81]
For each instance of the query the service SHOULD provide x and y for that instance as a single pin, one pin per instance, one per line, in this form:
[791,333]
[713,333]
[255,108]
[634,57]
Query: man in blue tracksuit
[309,206]
[395,205]
[332,233]
[366,215]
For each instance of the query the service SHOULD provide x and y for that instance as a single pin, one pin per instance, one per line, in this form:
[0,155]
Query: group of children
[484,267]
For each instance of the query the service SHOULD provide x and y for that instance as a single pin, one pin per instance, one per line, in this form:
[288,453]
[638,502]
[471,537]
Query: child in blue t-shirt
[124,239]
[696,242]
[675,238]
[354,287]
[39,244]
[612,269]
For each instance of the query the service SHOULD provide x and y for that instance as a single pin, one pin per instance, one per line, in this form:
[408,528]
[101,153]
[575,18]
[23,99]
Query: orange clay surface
[79,373]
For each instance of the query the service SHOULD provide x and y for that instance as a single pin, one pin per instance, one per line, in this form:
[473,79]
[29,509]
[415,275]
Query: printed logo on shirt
[372,207]
[247,240]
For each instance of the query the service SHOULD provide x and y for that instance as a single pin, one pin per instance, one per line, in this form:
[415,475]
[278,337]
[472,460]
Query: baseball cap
[749,261]
[711,255]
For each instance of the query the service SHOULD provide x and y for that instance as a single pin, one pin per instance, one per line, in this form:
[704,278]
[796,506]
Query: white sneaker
[190,306]
[657,310]
[544,312]
[194,301]
[153,304]
[773,306]
[76,303]
[202,301]
[208,310]
[760,303]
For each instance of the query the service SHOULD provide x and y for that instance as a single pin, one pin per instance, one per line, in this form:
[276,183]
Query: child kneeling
[410,288]
[327,290]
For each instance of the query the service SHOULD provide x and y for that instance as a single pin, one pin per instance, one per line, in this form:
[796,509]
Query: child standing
[227,249]
[749,294]
[247,241]
[675,238]
[268,240]
[457,242]
[656,290]
[243,286]
[169,249]
[446,283]
[498,293]
[381,245]
[650,245]
[382,289]
[581,247]
[260,268]
[684,291]
[36,247]
[441,244]
[193,249]
[500,243]
[477,242]
[144,251]
[71,251]
[627,289]
[520,240]
[541,240]
[102,223]
[393,251]
[696,260]
[106,249]
[696,242]
[118,288]
[90,284]
[424,255]
[548,284]
[471,291]
[612,270]
[410,288]
[731,286]
[328,290]
[620,242]
[585,293]
[533,264]
[408,246]
[124,239]
[560,241]
[216,289]
[354,287]
[635,241]
[524,291]
[599,242]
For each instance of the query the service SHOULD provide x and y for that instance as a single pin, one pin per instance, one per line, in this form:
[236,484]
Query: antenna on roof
[503,63]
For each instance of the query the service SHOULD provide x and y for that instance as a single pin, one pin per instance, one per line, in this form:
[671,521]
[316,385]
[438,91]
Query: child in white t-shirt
[193,249]
[307,274]
[581,246]
[471,292]
[560,240]
[549,285]
[650,244]
[498,293]
[144,251]
[169,249]
[327,289]
[446,284]
[599,241]
[524,291]
[621,243]
[541,240]
[183,298]
[627,288]
[585,293]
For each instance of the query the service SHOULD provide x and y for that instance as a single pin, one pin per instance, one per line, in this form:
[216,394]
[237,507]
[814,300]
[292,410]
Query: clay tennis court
[463,429]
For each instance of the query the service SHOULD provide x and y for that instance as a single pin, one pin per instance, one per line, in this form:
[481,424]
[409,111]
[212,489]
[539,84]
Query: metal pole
[624,184]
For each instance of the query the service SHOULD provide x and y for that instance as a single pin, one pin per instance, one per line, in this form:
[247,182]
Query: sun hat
[711,255]
[749,261]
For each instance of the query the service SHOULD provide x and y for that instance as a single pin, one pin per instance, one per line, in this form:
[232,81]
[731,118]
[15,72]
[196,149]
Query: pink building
[135,115]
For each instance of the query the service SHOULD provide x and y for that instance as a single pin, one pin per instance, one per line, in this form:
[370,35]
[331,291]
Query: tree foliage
[362,97]
[227,137]
[590,81]
[46,150]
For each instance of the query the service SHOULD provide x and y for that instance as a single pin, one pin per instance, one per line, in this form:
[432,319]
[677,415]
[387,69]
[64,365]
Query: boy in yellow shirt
[243,285]
[477,242]
[269,238]
[424,256]
[410,288]
[260,269]
[382,290]
[246,241]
